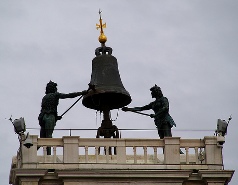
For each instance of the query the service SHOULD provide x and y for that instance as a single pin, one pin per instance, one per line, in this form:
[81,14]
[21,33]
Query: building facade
[84,161]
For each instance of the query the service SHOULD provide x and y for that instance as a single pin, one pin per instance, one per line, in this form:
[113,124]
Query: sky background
[188,48]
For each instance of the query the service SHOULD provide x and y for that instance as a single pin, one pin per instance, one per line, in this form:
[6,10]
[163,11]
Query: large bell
[109,92]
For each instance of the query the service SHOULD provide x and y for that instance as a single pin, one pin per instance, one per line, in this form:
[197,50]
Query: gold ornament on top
[102,38]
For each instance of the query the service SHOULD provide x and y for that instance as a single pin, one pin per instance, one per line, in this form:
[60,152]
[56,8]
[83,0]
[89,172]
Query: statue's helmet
[51,87]
[156,89]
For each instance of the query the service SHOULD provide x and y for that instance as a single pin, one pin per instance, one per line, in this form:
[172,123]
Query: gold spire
[102,38]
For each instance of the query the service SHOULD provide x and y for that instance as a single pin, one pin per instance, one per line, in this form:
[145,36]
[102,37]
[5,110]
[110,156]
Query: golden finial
[102,38]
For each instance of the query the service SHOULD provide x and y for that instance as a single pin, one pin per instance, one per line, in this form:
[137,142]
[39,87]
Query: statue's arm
[71,95]
[146,107]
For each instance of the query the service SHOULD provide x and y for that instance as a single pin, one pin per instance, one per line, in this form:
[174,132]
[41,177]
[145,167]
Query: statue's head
[156,91]
[51,87]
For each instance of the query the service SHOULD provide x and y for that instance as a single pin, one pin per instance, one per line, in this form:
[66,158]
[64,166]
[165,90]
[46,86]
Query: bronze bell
[109,92]
[106,91]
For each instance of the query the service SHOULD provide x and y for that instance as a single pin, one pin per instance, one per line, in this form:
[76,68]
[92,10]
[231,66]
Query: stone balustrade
[76,160]
[164,152]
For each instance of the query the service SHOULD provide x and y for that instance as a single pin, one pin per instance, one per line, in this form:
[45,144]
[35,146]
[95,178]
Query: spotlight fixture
[19,125]
[221,127]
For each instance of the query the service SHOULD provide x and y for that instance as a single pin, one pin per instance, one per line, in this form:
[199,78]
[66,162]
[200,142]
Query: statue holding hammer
[163,121]
[49,115]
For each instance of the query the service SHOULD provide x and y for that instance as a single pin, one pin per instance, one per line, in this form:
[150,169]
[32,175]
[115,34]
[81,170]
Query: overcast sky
[188,48]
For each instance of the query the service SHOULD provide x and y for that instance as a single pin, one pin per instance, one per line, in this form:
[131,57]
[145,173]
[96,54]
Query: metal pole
[71,106]
[140,113]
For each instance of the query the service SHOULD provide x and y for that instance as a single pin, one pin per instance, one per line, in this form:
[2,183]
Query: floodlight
[19,125]
[222,127]
[28,142]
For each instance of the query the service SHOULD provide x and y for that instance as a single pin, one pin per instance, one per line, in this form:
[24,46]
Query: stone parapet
[82,161]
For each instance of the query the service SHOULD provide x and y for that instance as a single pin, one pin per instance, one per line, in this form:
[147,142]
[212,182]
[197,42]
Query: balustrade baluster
[134,150]
[187,155]
[145,154]
[44,153]
[86,154]
[96,153]
[196,154]
[54,154]
[155,154]
[107,154]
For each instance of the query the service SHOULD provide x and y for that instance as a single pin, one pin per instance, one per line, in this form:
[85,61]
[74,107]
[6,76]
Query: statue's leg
[98,136]
[159,126]
[115,135]
[42,133]
[49,120]
[160,132]
[167,130]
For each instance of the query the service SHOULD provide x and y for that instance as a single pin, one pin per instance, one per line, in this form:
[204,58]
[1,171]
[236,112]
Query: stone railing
[164,153]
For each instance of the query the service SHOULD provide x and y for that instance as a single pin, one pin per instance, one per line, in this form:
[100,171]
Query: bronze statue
[163,121]
[49,115]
